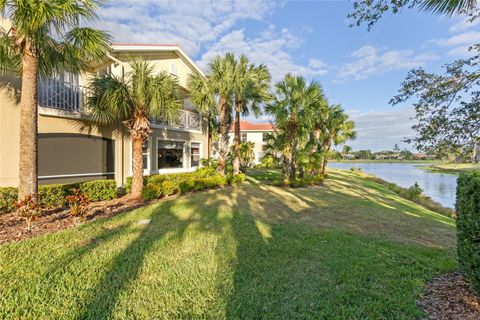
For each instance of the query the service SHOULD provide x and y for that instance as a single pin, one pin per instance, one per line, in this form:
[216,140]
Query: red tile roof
[252,126]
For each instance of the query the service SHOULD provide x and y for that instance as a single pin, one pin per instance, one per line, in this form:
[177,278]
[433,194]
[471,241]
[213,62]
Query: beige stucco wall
[54,121]
[255,137]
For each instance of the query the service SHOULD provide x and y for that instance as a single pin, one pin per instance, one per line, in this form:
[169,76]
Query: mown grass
[349,250]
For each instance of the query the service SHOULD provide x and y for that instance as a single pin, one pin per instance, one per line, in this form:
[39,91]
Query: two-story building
[72,148]
[253,132]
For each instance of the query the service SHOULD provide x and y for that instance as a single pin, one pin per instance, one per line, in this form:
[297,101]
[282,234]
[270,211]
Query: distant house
[253,132]
[422,156]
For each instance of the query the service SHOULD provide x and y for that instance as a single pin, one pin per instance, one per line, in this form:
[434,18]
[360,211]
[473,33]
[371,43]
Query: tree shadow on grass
[294,271]
[165,222]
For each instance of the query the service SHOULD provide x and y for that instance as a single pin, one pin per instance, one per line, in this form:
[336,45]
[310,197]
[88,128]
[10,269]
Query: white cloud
[370,61]
[191,24]
[464,24]
[270,48]
[459,43]
[381,130]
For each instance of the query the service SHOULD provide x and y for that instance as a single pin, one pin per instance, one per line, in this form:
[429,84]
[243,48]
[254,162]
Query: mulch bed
[449,297]
[14,228]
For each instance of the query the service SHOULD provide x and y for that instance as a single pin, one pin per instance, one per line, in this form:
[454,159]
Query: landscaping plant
[77,203]
[468,226]
[29,208]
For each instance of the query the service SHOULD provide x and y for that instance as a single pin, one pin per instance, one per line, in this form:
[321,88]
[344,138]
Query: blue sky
[359,69]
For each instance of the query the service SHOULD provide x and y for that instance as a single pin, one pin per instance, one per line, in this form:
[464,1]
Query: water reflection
[440,187]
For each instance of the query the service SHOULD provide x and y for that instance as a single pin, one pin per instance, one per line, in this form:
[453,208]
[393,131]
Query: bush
[239,178]
[99,190]
[468,226]
[8,197]
[151,192]
[29,208]
[414,191]
[168,187]
[53,195]
[78,203]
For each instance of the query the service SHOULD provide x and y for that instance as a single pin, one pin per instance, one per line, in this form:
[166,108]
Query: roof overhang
[130,47]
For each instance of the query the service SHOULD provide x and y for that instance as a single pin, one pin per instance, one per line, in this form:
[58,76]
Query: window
[195,154]
[170,154]
[243,136]
[145,155]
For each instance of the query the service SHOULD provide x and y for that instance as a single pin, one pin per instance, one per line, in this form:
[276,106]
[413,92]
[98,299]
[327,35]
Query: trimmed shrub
[151,192]
[239,178]
[99,190]
[53,195]
[468,226]
[169,187]
[8,197]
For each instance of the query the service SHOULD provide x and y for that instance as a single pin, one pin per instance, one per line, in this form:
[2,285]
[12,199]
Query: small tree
[133,100]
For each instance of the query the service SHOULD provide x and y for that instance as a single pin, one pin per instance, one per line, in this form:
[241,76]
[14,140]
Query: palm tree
[133,100]
[292,108]
[44,38]
[338,129]
[221,80]
[203,97]
[251,88]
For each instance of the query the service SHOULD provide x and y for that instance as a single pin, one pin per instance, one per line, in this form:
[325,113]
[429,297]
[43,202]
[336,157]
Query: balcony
[187,120]
[65,96]
[70,97]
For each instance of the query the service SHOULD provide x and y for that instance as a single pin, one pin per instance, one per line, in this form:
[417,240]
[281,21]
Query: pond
[439,186]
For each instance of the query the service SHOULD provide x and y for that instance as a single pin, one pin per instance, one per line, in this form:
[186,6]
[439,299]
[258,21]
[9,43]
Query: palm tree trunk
[223,139]
[137,166]
[236,140]
[28,170]
[325,158]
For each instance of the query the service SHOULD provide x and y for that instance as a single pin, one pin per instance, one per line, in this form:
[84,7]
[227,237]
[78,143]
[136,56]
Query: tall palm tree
[251,88]
[292,106]
[133,100]
[203,97]
[44,38]
[338,129]
[221,80]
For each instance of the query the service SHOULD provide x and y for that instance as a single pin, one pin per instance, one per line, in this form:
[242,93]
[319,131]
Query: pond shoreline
[439,186]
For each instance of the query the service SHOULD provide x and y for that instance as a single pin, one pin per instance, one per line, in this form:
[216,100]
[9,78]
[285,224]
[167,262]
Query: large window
[243,137]
[170,154]
[195,154]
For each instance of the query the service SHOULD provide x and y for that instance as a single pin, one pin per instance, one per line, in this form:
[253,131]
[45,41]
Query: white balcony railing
[187,120]
[70,97]
[61,95]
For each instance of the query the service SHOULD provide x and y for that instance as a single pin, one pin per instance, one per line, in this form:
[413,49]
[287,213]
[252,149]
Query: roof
[152,47]
[252,126]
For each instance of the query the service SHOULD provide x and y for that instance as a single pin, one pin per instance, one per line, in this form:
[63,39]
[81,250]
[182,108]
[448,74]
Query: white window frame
[148,170]
[200,154]
[184,167]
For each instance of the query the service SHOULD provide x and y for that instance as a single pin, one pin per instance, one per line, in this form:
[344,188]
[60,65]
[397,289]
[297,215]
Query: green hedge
[159,185]
[8,196]
[53,195]
[99,190]
[468,226]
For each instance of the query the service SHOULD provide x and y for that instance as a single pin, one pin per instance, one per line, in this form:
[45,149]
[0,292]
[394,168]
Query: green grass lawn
[348,250]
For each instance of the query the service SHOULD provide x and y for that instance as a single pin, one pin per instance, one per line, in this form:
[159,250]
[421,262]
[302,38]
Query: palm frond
[109,100]
[163,93]
[10,58]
